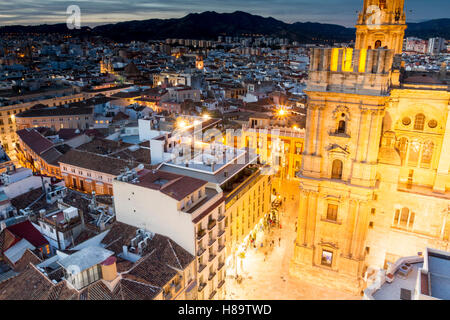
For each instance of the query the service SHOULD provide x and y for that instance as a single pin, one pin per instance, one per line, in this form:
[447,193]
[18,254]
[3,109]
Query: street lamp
[182,124]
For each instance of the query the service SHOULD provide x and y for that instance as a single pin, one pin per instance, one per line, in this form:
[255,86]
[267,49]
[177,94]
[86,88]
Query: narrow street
[265,277]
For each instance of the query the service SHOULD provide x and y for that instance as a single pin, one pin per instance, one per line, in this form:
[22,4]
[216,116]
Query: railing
[211,275]
[221,217]
[211,257]
[201,286]
[168,296]
[200,251]
[201,267]
[211,224]
[201,234]
[221,233]
[211,242]
[221,247]
[221,264]
[212,294]
[221,283]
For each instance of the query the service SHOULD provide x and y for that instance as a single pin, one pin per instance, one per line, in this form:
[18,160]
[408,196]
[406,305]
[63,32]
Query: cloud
[95,12]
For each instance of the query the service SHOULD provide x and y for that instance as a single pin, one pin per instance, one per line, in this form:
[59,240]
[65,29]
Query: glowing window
[419,121]
[336,172]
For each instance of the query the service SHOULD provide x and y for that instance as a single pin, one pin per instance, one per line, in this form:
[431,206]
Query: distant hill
[209,25]
[429,29]
[60,28]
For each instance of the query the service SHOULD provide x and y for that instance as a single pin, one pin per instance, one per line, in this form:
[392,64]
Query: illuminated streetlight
[206,116]
[182,124]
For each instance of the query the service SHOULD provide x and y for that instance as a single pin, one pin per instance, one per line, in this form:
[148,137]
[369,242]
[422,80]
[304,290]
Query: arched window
[414,153]
[336,171]
[403,148]
[377,44]
[404,218]
[341,127]
[427,154]
[419,121]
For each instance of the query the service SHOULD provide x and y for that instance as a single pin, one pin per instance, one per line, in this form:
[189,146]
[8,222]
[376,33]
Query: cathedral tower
[381,24]
[347,93]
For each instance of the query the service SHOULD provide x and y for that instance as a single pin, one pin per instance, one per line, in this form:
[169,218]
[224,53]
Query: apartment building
[278,146]
[9,112]
[42,153]
[246,187]
[11,106]
[56,118]
[180,95]
[188,210]
[89,172]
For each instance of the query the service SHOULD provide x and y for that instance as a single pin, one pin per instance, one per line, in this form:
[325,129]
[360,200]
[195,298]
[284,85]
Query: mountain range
[209,25]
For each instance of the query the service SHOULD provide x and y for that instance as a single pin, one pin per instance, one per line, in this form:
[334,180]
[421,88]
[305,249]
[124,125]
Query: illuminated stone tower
[347,93]
[381,24]
[375,176]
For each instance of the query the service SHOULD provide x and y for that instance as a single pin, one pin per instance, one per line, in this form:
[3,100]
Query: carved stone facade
[375,182]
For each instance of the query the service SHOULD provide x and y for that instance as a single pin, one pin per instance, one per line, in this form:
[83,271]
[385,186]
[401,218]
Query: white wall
[154,211]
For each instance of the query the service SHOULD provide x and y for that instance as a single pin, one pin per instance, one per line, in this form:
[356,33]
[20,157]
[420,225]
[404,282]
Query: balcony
[221,217]
[211,257]
[221,247]
[168,295]
[201,234]
[211,224]
[201,267]
[178,287]
[221,233]
[211,275]
[201,286]
[221,283]
[200,251]
[211,241]
[212,295]
[221,264]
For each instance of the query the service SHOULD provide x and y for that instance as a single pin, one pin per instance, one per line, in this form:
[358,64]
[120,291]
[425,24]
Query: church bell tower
[348,90]
[381,24]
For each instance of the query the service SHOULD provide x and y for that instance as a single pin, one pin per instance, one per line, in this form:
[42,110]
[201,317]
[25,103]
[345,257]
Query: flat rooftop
[391,291]
[175,186]
[215,168]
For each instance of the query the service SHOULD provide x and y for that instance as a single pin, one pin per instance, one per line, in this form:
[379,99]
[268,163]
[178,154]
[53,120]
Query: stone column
[319,133]
[311,221]
[363,135]
[302,216]
[361,230]
[351,223]
[374,136]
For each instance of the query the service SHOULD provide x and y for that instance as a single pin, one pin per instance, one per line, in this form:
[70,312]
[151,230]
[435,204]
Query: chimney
[109,269]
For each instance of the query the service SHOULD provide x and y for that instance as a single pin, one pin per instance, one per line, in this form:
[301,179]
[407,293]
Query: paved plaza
[265,270]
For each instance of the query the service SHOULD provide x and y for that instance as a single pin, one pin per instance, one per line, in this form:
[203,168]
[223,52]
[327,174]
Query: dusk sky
[95,12]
